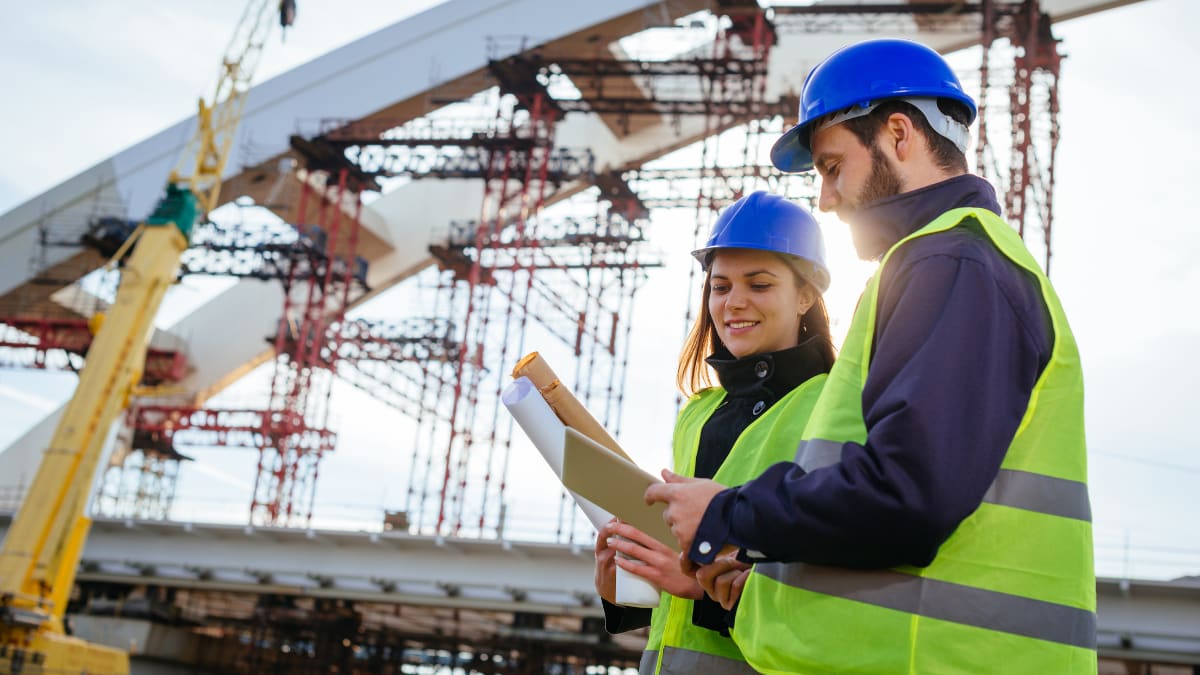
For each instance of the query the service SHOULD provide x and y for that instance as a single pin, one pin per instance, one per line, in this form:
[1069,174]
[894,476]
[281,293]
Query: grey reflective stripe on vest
[648,662]
[943,600]
[818,452]
[1044,494]
[1018,489]
[679,661]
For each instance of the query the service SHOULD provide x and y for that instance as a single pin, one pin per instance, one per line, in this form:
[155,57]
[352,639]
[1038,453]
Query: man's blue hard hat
[767,222]
[855,79]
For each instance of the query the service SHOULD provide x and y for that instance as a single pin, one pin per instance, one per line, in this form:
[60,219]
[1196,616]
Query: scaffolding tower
[1019,65]
[519,267]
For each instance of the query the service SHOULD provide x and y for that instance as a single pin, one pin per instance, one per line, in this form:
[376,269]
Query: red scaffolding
[289,459]
[61,343]
[1018,37]
[315,262]
[1018,73]
[514,268]
[573,278]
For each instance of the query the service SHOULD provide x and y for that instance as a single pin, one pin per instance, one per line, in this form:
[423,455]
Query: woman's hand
[606,568]
[724,579]
[649,559]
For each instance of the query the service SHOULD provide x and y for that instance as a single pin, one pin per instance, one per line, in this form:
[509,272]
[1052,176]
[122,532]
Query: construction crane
[39,557]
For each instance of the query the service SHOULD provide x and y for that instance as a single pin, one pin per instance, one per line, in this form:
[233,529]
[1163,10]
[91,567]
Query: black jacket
[753,384]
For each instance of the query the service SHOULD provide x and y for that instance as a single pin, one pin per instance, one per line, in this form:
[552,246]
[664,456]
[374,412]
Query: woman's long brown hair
[694,373]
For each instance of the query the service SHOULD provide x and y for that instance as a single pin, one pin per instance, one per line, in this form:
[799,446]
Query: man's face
[852,174]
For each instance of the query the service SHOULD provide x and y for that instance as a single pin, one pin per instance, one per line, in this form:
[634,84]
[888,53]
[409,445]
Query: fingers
[639,568]
[686,565]
[717,578]
[663,577]
[635,535]
[606,570]
[728,587]
[659,492]
[605,533]
[735,590]
[662,492]
[722,585]
[630,549]
[606,530]
[659,567]
[707,574]
[682,533]
[660,556]
[602,541]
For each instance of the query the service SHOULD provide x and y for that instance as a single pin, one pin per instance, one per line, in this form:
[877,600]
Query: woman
[766,335]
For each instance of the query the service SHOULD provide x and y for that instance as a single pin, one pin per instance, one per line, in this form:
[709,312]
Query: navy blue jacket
[961,336]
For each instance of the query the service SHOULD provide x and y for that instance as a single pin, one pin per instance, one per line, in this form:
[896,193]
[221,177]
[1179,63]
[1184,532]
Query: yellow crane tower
[39,556]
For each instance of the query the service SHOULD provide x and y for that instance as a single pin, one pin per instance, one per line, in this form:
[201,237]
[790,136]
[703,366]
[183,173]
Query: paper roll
[563,402]
[546,430]
[543,427]
[634,591]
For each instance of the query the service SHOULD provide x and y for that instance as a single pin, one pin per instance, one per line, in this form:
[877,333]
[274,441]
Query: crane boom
[203,160]
[41,552]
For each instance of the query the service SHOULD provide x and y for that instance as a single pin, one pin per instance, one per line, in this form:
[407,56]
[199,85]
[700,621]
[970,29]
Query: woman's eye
[760,287]
[720,289]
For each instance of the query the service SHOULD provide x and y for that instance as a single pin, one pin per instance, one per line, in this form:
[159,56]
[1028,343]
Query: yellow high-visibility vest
[676,645]
[1012,590]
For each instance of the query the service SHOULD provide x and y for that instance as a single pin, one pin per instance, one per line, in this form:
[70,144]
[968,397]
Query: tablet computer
[613,483]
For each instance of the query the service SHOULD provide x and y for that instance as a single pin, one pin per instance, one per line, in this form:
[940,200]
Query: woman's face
[754,302]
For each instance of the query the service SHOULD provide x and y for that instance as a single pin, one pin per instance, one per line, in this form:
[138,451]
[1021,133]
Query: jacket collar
[879,225]
[780,371]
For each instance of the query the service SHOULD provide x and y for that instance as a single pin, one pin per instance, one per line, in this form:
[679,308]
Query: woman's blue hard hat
[766,222]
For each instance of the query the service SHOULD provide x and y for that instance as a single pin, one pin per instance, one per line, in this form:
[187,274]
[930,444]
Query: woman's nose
[737,298]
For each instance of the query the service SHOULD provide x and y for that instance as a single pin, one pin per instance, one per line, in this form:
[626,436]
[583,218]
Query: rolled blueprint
[546,430]
[563,402]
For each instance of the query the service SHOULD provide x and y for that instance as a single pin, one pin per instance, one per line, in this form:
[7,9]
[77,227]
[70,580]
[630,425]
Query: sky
[87,79]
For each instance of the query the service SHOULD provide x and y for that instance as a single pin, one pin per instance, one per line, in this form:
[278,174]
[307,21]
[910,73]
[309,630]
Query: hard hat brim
[789,154]
[812,271]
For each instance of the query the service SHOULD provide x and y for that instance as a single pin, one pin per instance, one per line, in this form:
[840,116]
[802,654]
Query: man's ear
[900,135]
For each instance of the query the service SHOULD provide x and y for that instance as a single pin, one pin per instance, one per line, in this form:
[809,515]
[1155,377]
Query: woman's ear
[807,298]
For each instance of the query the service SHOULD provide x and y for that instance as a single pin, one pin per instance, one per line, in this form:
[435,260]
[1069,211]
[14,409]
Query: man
[936,518]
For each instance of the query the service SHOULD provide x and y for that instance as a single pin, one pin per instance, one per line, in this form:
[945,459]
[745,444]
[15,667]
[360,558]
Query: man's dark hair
[945,153]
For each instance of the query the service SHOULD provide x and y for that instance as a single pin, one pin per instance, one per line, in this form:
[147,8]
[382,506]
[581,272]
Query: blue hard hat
[855,79]
[767,222]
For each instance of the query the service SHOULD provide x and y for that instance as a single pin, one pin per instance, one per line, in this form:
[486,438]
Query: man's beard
[881,184]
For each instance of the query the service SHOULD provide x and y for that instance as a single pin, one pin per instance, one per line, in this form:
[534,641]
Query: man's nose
[829,196]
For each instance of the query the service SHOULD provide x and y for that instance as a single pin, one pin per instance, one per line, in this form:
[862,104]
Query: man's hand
[724,579]
[686,500]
